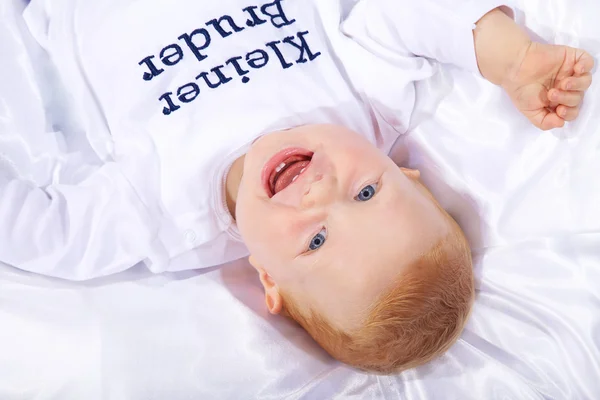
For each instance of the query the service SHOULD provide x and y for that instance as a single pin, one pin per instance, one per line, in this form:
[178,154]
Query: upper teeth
[280,167]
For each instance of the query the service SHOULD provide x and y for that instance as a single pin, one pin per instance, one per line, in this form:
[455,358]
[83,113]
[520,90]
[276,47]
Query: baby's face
[332,221]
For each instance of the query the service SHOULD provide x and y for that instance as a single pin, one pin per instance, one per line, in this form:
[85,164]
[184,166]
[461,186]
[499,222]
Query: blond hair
[418,319]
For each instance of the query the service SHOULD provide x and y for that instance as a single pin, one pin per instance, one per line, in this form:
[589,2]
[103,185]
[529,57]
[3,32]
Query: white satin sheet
[528,201]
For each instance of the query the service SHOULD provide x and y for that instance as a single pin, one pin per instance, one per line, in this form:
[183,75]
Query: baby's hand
[550,83]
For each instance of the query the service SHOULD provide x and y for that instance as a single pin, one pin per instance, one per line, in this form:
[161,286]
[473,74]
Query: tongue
[286,177]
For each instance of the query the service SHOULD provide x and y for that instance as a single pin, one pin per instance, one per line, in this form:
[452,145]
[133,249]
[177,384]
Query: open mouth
[284,169]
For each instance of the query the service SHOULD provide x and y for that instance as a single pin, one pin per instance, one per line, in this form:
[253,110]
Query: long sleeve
[94,228]
[436,29]
[63,212]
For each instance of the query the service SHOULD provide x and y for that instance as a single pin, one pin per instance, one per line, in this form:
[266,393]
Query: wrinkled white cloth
[528,201]
[170,93]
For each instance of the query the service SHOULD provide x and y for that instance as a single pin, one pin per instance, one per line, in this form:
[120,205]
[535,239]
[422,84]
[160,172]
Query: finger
[567,113]
[547,120]
[581,83]
[585,64]
[569,99]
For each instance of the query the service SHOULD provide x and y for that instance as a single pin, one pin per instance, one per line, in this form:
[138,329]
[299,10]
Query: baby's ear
[413,174]
[273,298]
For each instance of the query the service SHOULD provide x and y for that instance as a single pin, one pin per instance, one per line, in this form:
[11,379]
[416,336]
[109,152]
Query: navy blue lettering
[172,58]
[278,18]
[282,60]
[153,70]
[217,24]
[255,21]
[257,62]
[238,68]
[188,93]
[189,40]
[200,40]
[217,71]
[303,47]
[171,107]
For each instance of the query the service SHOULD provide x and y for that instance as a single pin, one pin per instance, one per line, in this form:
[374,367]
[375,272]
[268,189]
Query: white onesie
[171,92]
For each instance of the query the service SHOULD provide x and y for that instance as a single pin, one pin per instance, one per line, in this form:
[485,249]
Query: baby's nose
[320,192]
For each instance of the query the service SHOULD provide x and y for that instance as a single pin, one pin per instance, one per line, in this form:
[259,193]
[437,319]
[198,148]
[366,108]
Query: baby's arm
[531,73]
[77,232]
[546,82]
[499,46]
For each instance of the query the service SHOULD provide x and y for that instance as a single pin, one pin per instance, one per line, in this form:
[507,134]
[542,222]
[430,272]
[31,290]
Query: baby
[356,249]
[352,247]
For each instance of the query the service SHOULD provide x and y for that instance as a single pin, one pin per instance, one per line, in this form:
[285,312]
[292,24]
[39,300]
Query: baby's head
[352,247]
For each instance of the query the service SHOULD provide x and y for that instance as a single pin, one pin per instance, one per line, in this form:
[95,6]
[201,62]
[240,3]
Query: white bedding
[529,202]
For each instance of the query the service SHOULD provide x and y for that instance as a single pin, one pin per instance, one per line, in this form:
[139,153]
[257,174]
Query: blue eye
[366,193]
[318,240]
